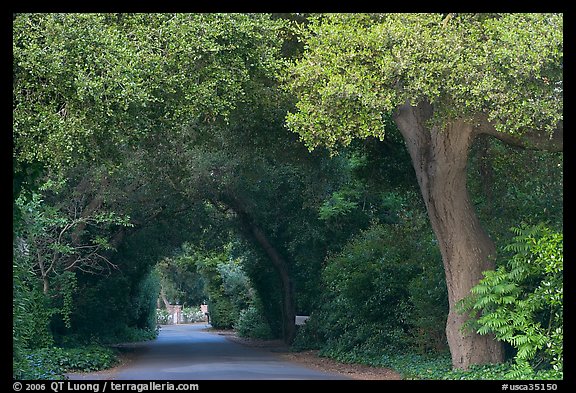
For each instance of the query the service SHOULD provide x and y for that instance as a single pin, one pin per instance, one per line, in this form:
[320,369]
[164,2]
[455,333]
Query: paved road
[189,352]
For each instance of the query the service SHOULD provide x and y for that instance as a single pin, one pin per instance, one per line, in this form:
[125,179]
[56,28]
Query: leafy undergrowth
[54,363]
[414,366]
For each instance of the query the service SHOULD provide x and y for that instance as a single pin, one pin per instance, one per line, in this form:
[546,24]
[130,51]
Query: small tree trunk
[43,273]
[164,299]
[439,158]
[279,263]
[45,285]
[288,306]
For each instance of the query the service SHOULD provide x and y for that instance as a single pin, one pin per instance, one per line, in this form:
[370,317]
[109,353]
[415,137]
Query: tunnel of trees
[396,177]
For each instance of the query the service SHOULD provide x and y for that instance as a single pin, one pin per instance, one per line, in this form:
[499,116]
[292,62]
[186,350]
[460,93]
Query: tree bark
[439,158]
[280,264]
[164,299]
[288,306]
[43,273]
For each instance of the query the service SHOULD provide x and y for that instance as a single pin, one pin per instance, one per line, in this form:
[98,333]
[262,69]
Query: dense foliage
[181,282]
[229,292]
[153,165]
[357,68]
[385,289]
[522,302]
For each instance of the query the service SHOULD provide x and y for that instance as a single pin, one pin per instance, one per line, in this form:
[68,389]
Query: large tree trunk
[439,157]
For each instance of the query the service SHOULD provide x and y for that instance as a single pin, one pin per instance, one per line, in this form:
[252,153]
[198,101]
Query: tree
[445,79]
[67,241]
[109,88]
[78,87]
[87,87]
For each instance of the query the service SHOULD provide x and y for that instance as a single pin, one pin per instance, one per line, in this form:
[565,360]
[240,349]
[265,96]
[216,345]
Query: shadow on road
[192,352]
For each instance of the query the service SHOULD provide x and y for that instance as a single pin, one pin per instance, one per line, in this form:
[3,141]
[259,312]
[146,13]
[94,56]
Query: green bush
[235,283]
[252,323]
[32,311]
[384,291]
[226,284]
[309,336]
[521,302]
[429,300]
[366,290]
[127,334]
[143,304]
[223,314]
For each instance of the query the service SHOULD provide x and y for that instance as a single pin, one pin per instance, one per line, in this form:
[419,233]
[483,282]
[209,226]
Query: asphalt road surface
[190,352]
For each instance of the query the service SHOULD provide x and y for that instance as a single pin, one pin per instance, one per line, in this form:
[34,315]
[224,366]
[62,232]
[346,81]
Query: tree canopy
[340,166]
[87,86]
[505,69]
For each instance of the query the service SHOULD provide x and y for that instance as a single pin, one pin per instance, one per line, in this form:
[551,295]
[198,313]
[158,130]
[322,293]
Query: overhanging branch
[528,139]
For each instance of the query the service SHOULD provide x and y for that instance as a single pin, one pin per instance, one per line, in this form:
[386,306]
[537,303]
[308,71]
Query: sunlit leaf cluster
[357,68]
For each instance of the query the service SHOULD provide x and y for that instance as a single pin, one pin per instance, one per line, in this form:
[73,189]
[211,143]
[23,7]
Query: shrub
[132,334]
[252,323]
[429,300]
[385,290]
[235,283]
[521,302]
[193,314]
[31,310]
[309,335]
[163,316]
[223,314]
[143,304]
